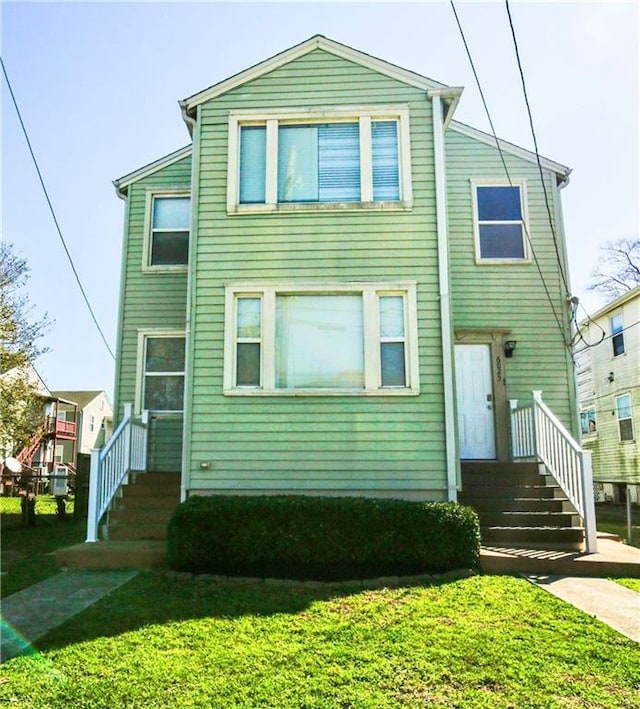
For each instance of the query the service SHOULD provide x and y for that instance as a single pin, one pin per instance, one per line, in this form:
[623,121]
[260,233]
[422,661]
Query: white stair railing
[537,434]
[124,452]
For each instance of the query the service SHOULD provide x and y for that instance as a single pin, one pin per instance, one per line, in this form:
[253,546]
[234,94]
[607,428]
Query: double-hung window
[616,324]
[625,420]
[338,339]
[500,221]
[168,228]
[163,367]
[313,159]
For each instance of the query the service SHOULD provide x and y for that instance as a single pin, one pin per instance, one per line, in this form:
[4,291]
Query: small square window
[169,231]
[500,222]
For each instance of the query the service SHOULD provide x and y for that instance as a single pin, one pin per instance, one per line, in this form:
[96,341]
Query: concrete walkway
[31,613]
[613,604]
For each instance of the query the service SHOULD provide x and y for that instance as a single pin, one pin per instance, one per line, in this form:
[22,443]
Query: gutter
[444,295]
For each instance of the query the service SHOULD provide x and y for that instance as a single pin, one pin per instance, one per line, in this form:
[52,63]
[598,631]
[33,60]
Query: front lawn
[27,551]
[492,642]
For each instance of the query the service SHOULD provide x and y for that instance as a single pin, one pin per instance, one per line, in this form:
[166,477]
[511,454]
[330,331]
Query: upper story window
[334,339]
[334,158]
[500,222]
[167,234]
[616,324]
[163,362]
[625,420]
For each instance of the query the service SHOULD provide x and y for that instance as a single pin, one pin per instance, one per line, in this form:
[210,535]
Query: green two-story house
[338,289]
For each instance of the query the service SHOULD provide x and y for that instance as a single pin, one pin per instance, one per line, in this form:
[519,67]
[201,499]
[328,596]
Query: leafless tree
[618,270]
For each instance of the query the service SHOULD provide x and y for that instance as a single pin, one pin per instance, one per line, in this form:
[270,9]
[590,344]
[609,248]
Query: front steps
[135,536]
[520,507]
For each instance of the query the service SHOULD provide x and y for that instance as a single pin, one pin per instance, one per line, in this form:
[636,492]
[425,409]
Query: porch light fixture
[509,347]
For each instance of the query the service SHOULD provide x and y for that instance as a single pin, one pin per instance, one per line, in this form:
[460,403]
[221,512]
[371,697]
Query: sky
[98,86]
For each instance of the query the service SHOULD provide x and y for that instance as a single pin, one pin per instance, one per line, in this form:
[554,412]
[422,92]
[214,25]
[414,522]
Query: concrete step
[533,537]
[142,502]
[529,519]
[114,555]
[141,516]
[137,532]
[522,504]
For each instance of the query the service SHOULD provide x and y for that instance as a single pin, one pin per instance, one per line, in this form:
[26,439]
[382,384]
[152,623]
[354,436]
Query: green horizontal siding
[314,443]
[149,301]
[512,296]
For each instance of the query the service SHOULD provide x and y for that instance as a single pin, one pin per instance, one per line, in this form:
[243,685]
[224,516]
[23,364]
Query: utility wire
[53,214]
[535,144]
[506,169]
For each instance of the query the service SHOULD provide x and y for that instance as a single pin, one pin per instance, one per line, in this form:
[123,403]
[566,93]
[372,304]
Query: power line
[535,145]
[506,169]
[53,214]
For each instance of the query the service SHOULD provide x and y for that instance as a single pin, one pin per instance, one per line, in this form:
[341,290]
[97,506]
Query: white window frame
[524,201]
[291,116]
[630,418]
[586,410]
[150,195]
[620,333]
[143,335]
[372,375]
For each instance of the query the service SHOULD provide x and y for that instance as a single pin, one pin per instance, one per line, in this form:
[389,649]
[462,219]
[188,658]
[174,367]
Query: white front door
[475,402]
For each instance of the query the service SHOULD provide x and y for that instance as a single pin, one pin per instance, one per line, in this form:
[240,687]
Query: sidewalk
[31,613]
[613,604]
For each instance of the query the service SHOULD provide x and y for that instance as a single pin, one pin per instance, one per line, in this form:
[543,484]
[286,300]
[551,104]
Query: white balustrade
[124,452]
[537,434]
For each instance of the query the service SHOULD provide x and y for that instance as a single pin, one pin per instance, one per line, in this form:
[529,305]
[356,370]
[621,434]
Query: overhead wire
[53,213]
[506,169]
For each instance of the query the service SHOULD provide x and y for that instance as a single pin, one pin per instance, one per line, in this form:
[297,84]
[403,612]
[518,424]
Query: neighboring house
[54,441]
[95,417]
[608,375]
[323,292]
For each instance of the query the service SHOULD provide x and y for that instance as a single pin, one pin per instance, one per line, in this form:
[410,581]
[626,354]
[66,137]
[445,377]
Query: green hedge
[296,536]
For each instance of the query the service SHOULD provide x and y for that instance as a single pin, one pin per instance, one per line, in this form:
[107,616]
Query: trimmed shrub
[330,538]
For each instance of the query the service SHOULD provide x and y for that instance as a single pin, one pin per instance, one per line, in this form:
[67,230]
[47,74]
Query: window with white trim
[168,219]
[616,323]
[163,359]
[588,421]
[346,338]
[500,221]
[308,159]
[625,420]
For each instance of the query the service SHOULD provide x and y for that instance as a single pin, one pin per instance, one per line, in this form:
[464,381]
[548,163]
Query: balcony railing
[537,434]
[124,452]
[60,427]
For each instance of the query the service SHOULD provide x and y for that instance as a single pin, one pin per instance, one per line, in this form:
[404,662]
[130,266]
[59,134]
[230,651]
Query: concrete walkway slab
[31,613]
[613,604]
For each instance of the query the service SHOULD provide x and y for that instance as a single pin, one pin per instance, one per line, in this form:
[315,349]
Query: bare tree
[618,270]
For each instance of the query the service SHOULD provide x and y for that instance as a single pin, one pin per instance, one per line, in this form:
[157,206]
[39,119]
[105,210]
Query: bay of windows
[328,157]
[347,339]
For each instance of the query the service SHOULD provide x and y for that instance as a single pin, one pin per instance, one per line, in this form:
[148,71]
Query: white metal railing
[123,453]
[537,434]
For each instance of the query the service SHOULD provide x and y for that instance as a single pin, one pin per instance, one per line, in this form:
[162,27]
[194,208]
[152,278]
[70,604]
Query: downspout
[185,474]
[444,294]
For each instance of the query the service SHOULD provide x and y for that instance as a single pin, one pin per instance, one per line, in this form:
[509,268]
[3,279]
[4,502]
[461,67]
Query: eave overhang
[122,183]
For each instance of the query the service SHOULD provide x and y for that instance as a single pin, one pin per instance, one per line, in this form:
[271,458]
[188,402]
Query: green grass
[491,642]
[27,551]
[613,519]
[633,584]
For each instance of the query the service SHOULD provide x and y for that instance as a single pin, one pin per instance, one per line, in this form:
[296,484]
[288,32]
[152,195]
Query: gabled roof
[122,183]
[299,50]
[561,170]
[613,305]
[81,398]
